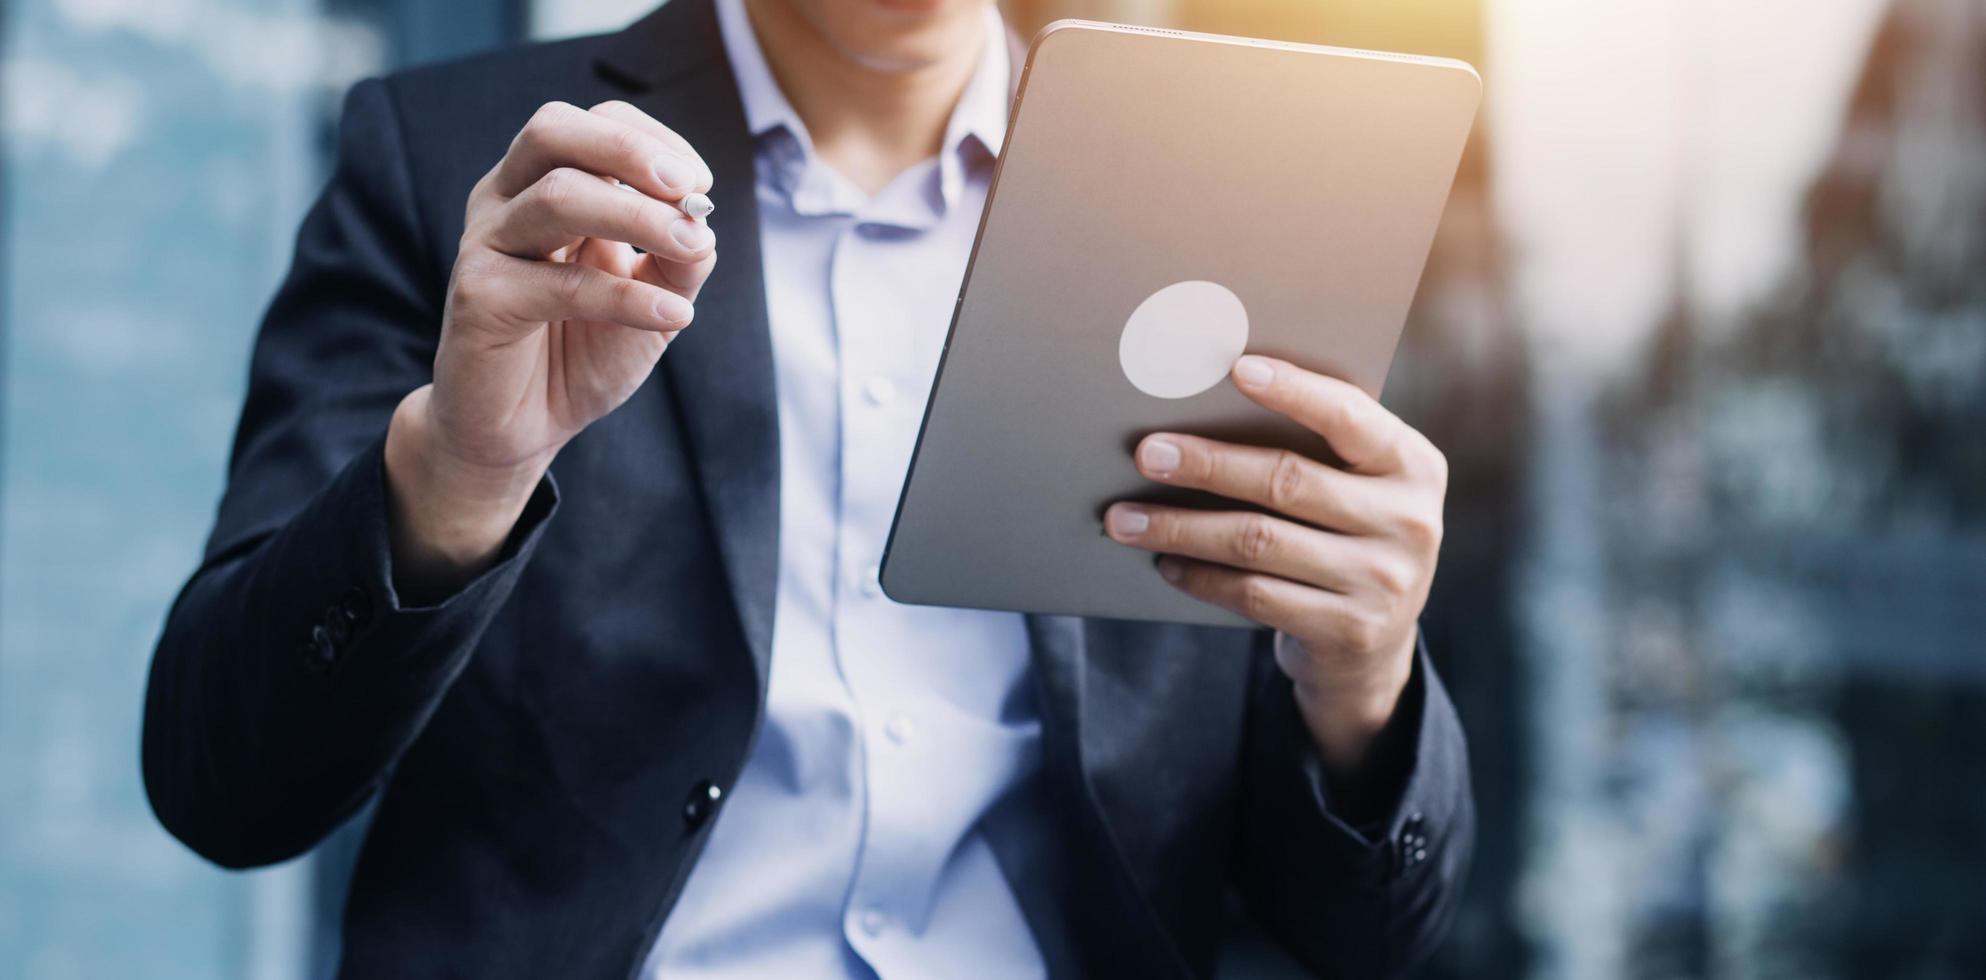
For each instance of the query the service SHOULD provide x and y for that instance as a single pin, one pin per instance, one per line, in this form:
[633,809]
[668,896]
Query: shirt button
[872,581]
[873,922]
[879,391]
[900,728]
[1413,841]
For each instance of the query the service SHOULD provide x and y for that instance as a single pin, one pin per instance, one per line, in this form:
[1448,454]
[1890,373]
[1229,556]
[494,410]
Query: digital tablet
[1164,202]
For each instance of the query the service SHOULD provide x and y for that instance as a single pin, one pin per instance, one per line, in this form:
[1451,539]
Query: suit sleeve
[1346,900]
[289,677]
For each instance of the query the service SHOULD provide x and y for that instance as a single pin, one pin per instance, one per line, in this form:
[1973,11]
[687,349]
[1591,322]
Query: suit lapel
[720,371]
[1056,643]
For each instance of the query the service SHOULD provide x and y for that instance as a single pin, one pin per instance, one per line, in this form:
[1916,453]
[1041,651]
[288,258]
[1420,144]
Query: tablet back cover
[1307,181]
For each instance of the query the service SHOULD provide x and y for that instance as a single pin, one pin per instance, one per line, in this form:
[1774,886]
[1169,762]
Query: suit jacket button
[700,804]
[338,625]
[318,652]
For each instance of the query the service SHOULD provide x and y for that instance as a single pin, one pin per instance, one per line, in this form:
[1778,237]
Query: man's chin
[911,8]
[897,59]
[914,34]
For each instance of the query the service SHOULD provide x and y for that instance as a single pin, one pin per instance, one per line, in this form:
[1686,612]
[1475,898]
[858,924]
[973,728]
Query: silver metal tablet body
[1164,200]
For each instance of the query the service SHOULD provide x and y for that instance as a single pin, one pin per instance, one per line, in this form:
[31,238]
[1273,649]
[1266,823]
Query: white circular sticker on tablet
[1183,339]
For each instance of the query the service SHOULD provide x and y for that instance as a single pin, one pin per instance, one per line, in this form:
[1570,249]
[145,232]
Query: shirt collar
[766,108]
[980,117]
[981,113]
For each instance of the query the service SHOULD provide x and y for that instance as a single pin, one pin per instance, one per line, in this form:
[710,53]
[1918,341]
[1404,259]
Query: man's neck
[870,124]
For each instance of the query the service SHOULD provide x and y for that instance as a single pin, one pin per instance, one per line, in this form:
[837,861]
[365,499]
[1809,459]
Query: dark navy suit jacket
[549,745]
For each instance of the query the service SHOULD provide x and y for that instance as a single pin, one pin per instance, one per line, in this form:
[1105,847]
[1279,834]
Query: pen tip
[697,205]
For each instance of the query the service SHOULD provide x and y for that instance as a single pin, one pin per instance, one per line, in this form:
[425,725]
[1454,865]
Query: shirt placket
[873,346]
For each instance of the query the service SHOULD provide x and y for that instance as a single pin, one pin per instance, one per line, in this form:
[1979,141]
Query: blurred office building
[1703,335]
[1797,508]
[155,159]
[1768,519]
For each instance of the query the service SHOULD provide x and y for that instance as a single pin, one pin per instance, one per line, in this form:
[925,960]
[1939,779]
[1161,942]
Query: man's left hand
[1341,563]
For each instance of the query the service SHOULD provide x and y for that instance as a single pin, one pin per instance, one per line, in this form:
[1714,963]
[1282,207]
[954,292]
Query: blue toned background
[1703,335]
[158,155]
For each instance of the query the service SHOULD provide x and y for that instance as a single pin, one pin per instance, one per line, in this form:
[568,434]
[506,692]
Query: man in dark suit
[601,637]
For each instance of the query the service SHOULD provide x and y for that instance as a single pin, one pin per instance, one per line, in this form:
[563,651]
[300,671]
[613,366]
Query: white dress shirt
[851,844]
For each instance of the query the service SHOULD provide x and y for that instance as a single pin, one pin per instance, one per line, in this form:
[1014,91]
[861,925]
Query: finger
[1281,480]
[1362,432]
[1274,602]
[566,204]
[627,114]
[1240,539]
[683,279]
[535,292]
[562,135]
[613,258]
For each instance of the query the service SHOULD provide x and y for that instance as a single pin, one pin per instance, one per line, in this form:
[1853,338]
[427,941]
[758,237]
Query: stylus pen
[693,204]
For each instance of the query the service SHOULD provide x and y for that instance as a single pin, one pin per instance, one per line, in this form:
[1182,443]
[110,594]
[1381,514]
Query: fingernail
[1159,455]
[690,234]
[672,174]
[1127,521]
[1170,570]
[671,316]
[1253,372]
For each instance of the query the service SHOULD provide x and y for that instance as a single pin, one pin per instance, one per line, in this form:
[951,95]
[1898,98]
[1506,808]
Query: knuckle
[470,287]
[555,190]
[1288,478]
[1435,462]
[569,284]
[1257,538]
[613,106]
[1252,596]
[1423,531]
[1363,630]
[474,228]
[1350,415]
[1392,577]
[631,146]
[627,294]
[547,116]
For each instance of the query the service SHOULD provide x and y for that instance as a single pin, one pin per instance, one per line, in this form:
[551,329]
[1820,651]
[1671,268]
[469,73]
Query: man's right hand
[551,322]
